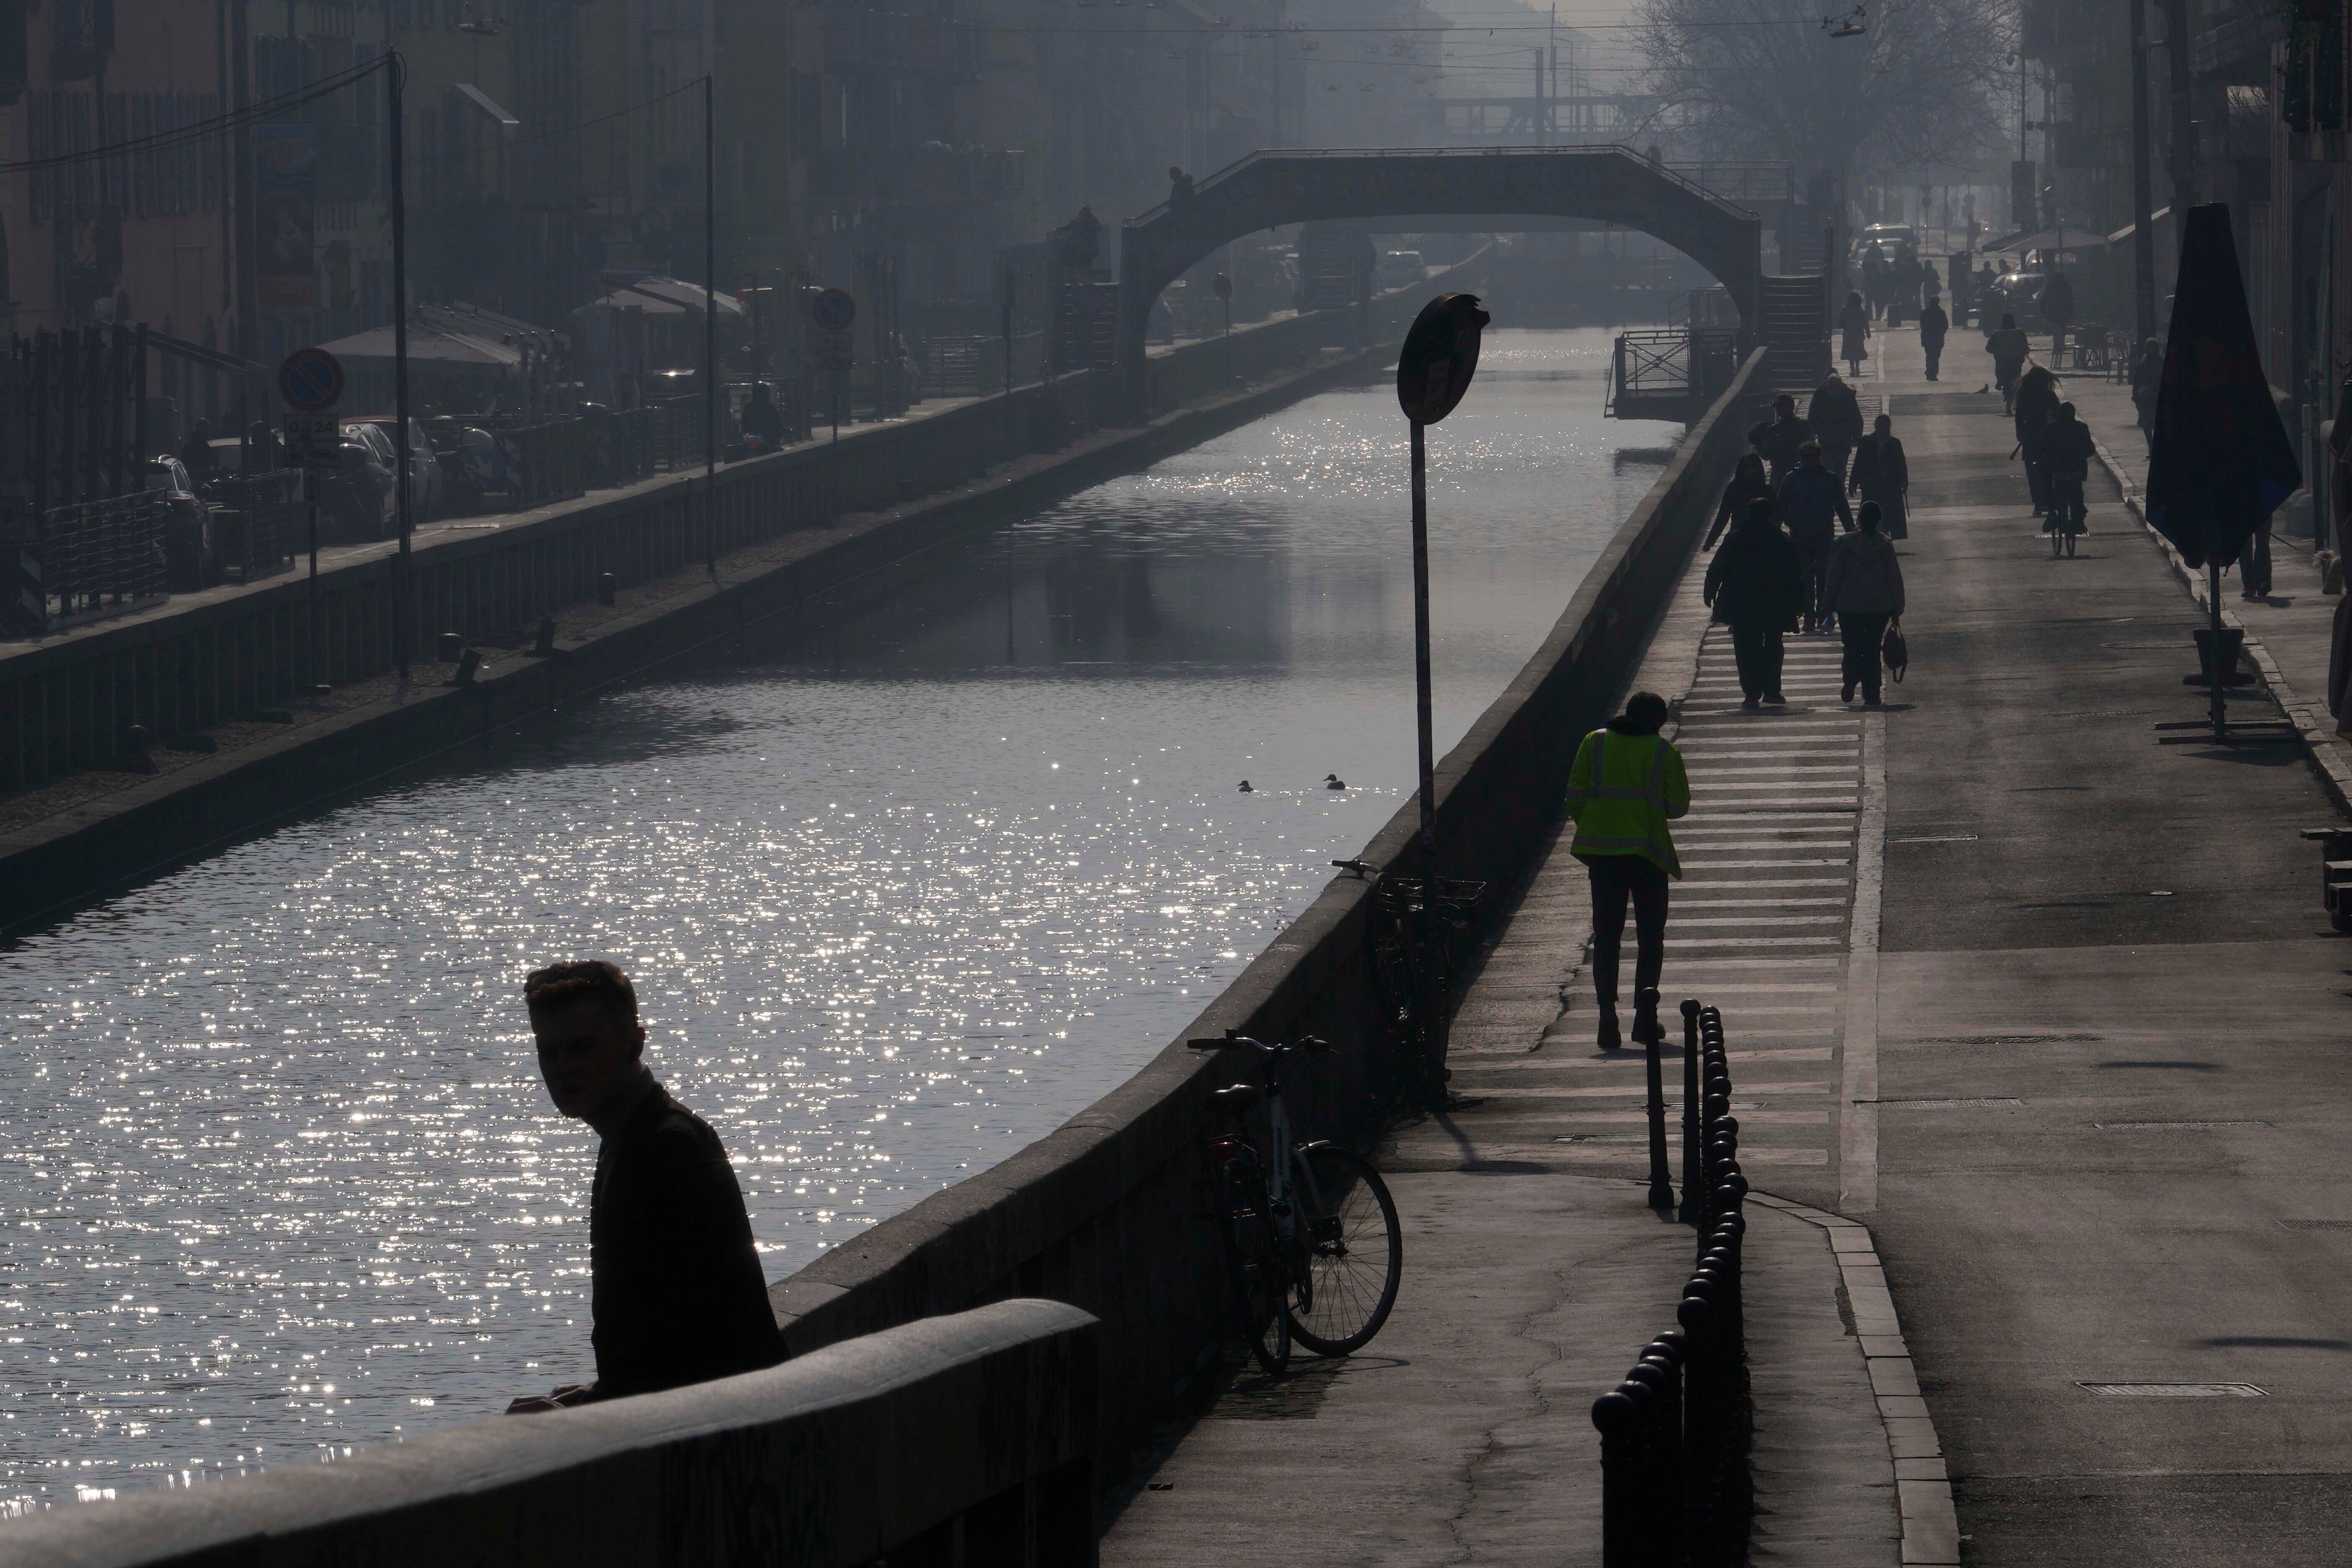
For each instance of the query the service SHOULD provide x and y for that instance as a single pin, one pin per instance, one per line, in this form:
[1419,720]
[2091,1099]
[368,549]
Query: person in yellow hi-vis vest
[1626,784]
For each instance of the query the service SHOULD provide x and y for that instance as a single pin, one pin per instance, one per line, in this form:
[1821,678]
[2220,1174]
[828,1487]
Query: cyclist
[1626,784]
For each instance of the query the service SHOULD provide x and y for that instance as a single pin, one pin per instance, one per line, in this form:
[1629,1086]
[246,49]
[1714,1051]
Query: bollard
[1624,1535]
[448,646]
[1688,1214]
[1662,1186]
[608,587]
[544,645]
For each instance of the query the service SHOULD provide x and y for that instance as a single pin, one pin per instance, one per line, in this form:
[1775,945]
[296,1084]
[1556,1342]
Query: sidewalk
[2108,1113]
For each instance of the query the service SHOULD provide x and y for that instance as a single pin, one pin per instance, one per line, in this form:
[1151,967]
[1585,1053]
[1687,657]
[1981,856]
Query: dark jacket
[1934,325]
[1754,579]
[1865,578]
[1836,415]
[1733,505]
[2037,402]
[2065,449]
[2058,300]
[1879,468]
[2009,348]
[678,1291]
[1777,441]
[1812,502]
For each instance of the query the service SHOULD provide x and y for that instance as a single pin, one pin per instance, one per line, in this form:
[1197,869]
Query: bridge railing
[956,1439]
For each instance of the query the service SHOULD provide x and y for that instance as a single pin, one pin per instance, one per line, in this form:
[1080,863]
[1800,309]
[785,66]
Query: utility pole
[2181,158]
[709,310]
[403,599]
[2143,183]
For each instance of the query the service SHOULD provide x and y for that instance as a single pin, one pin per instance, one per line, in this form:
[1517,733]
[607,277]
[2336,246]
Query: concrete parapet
[953,1439]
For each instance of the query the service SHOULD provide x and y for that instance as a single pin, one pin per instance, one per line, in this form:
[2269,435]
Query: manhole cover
[2177,1390]
[2004,1040]
[1940,1104]
[2316,1224]
[2170,1126]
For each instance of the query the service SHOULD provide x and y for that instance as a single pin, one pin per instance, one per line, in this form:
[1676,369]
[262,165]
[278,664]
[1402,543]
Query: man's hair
[1868,519]
[583,980]
[1645,713]
[1784,403]
[2007,320]
[1808,449]
[1759,513]
[2067,409]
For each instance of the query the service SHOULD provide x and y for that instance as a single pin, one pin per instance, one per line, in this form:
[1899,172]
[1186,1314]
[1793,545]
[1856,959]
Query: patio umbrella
[2219,462]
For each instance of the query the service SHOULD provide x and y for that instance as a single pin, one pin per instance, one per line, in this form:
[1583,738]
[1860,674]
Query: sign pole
[402,584]
[310,483]
[711,402]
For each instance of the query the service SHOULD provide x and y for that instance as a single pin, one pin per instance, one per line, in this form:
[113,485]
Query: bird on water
[1333,780]
[1245,787]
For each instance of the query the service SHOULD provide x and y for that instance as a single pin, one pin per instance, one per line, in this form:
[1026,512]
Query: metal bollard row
[1674,1435]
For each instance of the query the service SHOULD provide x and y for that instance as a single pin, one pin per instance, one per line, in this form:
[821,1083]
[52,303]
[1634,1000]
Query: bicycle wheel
[1255,1270]
[1354,1252]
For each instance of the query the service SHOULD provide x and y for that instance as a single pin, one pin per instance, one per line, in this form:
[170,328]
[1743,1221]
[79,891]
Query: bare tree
[1750,76]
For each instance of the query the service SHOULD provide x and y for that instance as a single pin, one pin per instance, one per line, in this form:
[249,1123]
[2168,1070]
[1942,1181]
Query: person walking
[1882,477]
[1756,588]
[2009,349]
[1777,439]
[1961,278]
[2063,449]
[1853,325]
[1934,327]
[1835,414]
[1866,589]
[1748,484]
[1903,287]
[1874,279]
[2057,304]
[2147,376]
[2034,405]
[1626,784]
[1813,504]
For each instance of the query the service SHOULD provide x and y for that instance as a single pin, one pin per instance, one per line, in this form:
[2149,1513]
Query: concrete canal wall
[960,1439]
[789,530]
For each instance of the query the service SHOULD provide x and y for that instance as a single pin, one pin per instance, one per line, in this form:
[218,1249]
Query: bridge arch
[1610,185]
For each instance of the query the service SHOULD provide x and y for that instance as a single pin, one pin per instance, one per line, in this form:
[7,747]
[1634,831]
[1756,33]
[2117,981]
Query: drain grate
[1940,1104]
[2316,1224]
[2170,1126]
[2177,1390]
[2004,1040]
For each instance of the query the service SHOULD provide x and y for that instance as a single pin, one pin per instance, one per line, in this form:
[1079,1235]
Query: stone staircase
[1796,331]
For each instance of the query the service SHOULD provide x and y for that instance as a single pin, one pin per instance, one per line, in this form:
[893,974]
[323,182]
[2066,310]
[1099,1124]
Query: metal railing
[1675,1436]
[547,462]
[257,523]
[94,558]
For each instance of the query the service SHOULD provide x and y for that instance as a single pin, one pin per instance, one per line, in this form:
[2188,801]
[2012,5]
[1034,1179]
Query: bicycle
[1313,1249]
[1413,959]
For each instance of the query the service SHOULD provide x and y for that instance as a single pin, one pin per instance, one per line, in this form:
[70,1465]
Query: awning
[689,295]
[628,299]
[450,351]
[2051,240]
[2155,220]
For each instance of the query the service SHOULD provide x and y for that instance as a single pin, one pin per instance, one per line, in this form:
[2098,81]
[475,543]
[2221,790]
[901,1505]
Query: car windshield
[161,480]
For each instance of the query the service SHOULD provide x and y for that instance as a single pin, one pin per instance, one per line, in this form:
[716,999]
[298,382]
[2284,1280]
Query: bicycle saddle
[1239,1098]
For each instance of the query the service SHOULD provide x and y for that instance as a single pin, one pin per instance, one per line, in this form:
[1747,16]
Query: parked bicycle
[1312,1246]
[1413,957]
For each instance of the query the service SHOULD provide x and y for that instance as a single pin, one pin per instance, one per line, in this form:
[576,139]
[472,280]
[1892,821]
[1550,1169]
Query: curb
[2327,752]
[1923,1487]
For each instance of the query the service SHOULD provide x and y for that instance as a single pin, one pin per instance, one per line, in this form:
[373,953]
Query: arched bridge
[1610,185]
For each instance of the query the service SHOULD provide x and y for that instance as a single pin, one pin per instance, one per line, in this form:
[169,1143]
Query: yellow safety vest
[1622,790]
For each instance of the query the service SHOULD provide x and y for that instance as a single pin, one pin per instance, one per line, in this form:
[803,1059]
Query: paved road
[2111,1111]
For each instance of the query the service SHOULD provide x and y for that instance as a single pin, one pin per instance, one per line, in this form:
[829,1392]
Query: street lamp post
[404,593]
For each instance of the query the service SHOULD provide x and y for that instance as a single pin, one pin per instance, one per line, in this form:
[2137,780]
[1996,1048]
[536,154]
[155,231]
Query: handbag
[1896,651]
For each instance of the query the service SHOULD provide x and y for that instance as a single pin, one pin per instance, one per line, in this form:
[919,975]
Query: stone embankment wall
[1109,1211]
[884,493]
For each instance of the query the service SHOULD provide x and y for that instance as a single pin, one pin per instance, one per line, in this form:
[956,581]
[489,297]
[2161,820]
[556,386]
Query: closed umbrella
[2219,461]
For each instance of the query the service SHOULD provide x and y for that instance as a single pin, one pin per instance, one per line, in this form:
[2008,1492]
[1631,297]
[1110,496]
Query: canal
[277,1175]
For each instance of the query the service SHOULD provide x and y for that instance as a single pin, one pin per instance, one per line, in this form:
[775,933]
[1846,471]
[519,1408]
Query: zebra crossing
[1760,927]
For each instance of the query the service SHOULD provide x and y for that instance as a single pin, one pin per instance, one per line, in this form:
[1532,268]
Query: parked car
[357,505]
[426,486]
[189,558]
[1889,239]
[1403,268]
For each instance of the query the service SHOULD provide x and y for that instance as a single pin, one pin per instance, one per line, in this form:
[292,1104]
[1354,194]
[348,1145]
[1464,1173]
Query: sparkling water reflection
[278,1177]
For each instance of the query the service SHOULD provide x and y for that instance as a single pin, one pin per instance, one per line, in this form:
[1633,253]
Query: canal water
[277,1177]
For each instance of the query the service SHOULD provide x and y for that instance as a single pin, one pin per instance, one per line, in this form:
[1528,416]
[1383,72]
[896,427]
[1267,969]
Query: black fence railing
[79,562]
[1675,1490]
[257,523]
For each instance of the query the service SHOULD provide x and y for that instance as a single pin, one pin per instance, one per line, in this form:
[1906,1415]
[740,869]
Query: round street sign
[833,310]
[1439,357]
[311,381]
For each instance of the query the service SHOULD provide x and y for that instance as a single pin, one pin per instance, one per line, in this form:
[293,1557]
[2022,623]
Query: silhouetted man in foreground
[677,1293]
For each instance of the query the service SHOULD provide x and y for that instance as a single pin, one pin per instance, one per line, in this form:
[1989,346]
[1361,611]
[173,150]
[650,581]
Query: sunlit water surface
[277,1175]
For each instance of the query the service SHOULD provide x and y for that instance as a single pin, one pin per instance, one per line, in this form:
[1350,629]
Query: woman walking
[1835,414]
[1853,327]
[1748,484]
[1626,784]
[1757,587]
[2147,376]
[1882,475]
[1865,588]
